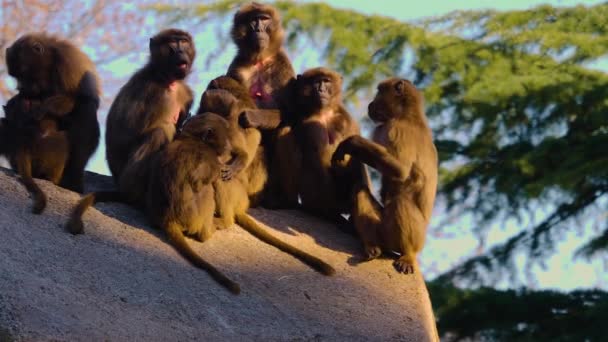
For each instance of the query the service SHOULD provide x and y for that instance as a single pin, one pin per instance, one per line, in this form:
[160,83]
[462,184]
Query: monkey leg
[24,168]
[403,230]
[289,163]
[366,215]
[224,211]
[284,167]
[83,136]
[51,155]
[134,179]
[206,210]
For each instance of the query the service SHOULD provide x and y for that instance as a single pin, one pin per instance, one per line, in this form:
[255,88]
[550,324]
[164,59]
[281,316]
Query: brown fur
[323,122]
[179,197]
[227,96]
[403,151]
[231,193]
[55,71]
[147,110]
[33,145]
[263,68]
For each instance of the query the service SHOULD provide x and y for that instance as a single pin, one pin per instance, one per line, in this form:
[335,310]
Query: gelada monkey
[263,68]
[402,150]
[34,145]
[147,110]
[231,101]
[55,71]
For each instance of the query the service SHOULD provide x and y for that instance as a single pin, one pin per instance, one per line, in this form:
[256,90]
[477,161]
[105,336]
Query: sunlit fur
[403,152]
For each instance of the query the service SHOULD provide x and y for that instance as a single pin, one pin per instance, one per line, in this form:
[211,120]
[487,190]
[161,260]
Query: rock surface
[121,281]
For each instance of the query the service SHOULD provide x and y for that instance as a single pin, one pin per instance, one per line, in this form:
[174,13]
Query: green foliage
[522,315]
[519,119]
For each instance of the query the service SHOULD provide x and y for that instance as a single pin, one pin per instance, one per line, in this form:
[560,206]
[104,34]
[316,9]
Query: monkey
[231,102]
[54,70]
[179,193]
[34,145]
[402,150]
[319,125]
[262,66]
[231,193]
[147,111]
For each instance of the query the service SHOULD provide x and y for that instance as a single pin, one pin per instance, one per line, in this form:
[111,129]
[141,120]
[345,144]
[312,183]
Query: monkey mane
[244,13]
[70,64]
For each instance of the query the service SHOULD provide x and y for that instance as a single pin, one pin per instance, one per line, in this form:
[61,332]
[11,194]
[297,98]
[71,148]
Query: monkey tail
[24,169]
[175,235]
[75,225]
[37,193]
[254,228]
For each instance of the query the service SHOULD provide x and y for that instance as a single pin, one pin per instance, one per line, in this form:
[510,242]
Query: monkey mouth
[183,66]
[377,116]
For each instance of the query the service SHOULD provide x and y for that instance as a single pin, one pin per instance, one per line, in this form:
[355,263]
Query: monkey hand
[88,86]
[338,159]
[247,119]
[229,170]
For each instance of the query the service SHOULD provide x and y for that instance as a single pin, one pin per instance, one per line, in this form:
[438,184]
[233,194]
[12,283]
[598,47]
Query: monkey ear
[400,85]
[38,48]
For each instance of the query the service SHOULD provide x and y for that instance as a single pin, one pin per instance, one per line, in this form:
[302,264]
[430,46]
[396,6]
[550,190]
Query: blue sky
[439,254]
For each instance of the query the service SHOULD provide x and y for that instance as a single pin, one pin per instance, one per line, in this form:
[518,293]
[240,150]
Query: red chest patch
[174,107]
[258,93]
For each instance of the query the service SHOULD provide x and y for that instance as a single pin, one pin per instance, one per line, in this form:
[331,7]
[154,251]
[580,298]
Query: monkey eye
[207,134]
[38,48]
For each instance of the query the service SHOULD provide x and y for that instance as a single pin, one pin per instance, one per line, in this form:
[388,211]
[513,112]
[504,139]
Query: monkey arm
[58,105]
[260,118]
[373,154]
[88,86]
[235,165]
[151,142]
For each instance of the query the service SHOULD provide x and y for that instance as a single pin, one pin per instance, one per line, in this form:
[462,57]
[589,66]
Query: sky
[438,254]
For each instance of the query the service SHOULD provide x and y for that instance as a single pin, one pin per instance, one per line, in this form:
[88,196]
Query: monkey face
[260,27]
[319,87]
[256,28]
[395,98]
[174,52]
[209,129]
[323,90]
[30,63]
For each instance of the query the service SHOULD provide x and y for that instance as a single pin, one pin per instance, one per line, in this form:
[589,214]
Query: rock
[121,281]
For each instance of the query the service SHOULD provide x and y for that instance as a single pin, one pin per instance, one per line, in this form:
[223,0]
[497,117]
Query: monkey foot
[404,266]
[372,252]
[39,207]
[75,227]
